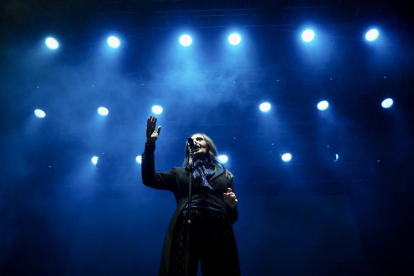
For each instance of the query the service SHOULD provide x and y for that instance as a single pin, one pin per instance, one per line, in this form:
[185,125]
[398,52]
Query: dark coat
[177,181]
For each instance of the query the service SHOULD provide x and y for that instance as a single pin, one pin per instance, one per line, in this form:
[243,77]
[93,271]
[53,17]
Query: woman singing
[213,209]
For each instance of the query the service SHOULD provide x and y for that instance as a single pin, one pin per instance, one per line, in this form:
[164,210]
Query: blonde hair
[212,155]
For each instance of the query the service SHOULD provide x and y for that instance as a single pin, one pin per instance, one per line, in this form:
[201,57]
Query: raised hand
[152,134]
[230,198]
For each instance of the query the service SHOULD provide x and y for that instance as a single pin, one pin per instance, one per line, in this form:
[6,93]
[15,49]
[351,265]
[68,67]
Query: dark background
[61,215]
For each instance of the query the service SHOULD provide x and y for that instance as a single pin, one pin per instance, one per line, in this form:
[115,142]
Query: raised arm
[161,181]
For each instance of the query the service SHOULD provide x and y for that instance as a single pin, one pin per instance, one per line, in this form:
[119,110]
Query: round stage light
[39,113]
[234,39]
[95,160]
[372,35]
[387,103]
[51,43]
[323,105]
[139,159]
[186,40]
[103,111]
[223,158]
[308,35]
[265,107]
[113,42]
[286,157]
[157,109]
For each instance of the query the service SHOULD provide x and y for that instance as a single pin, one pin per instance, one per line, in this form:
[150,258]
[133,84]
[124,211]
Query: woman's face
[200,147]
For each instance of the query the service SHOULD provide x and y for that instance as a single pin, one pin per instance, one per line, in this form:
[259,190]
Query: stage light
[113,42]
[223,158]
[39,113]
[103,111]
[157,109]
[308,35]
[186,40]
[323,105]
[372,35]
[286,157]
[52,43]
[95,160]
[387,103]
[265,107]
[139,159]
[234,39]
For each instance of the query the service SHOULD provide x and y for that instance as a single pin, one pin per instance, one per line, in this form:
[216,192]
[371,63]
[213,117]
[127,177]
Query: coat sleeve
[232,213]
[160,181]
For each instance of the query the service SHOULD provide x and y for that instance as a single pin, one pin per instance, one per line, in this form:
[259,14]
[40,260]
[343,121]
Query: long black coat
[177,181]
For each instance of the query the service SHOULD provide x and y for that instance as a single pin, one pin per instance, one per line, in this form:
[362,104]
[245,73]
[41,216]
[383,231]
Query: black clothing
[177,180]
[212,242]
[204,203]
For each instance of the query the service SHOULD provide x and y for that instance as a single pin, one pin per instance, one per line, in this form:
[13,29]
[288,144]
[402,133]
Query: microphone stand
[189,222]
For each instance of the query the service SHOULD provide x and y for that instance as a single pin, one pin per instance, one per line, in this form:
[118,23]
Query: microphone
[190,141]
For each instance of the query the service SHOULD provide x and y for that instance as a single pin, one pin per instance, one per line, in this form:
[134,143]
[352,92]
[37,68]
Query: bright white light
[113,42]
[372,35]
[234,39]
[157,109]
[39,113]
[52,43]
[387,103]
[139,159]
[95,160]
[265,107]
[223,158]
[323,105]
[336,157]
[308,35]
[286,157]
[186,40]
[103,111]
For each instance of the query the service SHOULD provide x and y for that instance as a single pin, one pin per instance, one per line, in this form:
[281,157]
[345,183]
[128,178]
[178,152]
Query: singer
[213,209]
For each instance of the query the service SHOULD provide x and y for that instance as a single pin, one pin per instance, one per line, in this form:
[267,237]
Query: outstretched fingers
[152,131]
[151,123]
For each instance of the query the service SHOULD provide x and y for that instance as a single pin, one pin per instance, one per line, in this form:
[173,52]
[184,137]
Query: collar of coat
[218,171]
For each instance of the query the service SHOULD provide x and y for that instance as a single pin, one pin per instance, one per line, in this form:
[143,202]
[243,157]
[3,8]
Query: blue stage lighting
[103,111]
[323,105]
[95,160]
[234,39]
[157,109]
[139,159]
[113,42]
[286,157]
[39,113]
[372,35]
[223,158]
[265,107]
[52,43]
[387,103]
[186,40]
[308,35]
